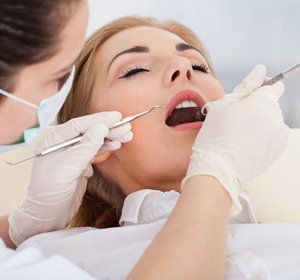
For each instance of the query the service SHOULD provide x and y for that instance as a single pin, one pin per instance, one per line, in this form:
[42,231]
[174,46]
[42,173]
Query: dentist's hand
[243,134]
[59,180]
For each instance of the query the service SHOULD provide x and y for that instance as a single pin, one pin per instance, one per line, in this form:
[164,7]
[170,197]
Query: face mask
[47,112]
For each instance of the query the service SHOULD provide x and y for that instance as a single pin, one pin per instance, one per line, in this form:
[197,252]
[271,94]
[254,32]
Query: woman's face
[167,71]
[39,81]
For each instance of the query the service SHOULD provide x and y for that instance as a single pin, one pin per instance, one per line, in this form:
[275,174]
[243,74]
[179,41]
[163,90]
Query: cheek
[10,113]
[128,97]
[211,87]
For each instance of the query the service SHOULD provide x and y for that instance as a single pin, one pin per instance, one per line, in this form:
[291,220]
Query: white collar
[146,206]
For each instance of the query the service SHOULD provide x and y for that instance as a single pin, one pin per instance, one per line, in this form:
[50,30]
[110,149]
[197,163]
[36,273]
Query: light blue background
[238,34]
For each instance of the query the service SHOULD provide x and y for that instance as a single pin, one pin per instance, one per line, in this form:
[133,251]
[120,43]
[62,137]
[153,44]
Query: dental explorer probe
[78,139]
[283,74]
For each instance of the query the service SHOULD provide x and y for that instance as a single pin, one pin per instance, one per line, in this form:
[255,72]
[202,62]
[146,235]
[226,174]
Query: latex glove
[59,180]
[243,134]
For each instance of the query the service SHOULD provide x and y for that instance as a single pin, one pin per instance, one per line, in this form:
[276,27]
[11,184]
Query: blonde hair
[102,203]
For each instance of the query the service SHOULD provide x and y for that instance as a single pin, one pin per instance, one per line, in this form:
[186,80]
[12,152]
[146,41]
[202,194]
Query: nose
[179,69]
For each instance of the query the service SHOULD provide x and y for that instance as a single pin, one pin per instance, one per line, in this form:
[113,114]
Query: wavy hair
[102,203]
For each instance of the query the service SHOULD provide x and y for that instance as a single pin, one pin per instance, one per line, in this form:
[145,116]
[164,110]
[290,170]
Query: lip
[183,96]
[188,126]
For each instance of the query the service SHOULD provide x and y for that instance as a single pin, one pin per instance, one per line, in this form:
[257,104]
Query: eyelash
[200,67]
[131,72]
[61,81]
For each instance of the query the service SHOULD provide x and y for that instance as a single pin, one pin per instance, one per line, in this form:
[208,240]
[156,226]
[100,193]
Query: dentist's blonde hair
[102,203]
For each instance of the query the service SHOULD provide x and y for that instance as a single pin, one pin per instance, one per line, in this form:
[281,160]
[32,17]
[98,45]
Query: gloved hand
[59,180]
[243,134]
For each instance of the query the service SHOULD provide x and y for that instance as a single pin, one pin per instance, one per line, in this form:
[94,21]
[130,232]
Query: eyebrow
[184,47]
[136,49]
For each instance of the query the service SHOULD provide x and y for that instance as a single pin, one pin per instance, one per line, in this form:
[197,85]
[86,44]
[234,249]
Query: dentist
[39,44]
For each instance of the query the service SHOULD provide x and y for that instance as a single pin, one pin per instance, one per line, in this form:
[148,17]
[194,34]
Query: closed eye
[130,72]
[62,80]
[200,67]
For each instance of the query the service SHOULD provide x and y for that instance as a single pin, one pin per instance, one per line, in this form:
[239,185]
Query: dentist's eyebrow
[183,47]
[136,49]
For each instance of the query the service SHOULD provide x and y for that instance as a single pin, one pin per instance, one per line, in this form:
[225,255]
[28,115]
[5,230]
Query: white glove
[243,134]
[59,180]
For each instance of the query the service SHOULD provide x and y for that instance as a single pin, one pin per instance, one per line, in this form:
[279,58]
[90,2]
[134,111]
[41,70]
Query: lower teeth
[185,115]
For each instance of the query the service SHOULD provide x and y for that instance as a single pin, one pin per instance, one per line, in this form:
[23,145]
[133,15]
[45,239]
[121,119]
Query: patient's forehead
[155,38]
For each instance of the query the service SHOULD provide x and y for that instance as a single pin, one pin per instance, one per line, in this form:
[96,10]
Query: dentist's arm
[58,180]
[243,134]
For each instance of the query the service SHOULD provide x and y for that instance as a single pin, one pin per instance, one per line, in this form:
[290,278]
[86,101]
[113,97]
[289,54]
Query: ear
[102,158]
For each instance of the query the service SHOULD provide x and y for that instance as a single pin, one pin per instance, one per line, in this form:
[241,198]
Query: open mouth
[184,108]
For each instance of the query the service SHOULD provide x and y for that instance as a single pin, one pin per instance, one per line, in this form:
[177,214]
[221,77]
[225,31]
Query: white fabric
[242,136]
[254,251]
[58,180]
[31,264]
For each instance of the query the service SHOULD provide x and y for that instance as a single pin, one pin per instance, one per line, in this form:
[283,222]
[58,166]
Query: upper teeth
[186,104]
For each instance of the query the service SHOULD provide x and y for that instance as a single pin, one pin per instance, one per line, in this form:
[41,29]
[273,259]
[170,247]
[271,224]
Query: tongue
[185,115]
